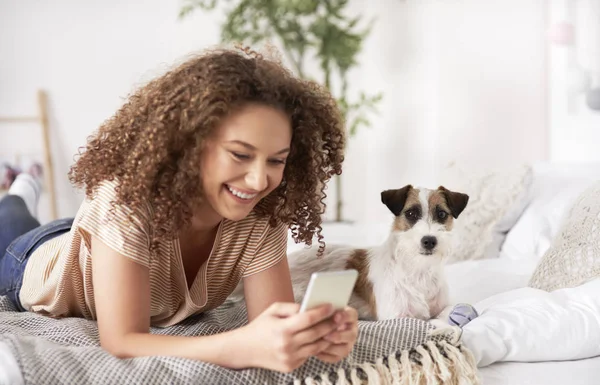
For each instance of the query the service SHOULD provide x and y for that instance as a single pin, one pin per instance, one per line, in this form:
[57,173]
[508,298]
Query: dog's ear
[395,199]
[456,201]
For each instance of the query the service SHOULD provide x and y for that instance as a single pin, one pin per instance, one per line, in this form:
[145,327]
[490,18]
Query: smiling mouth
[427,252]
[240,194]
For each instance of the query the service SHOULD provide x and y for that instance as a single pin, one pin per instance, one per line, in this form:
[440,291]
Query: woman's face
[243,161]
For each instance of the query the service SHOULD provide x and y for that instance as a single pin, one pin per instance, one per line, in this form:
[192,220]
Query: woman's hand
[282,339]
[343,338]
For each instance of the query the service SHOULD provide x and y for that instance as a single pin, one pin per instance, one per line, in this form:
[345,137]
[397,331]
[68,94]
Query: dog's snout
[429,242]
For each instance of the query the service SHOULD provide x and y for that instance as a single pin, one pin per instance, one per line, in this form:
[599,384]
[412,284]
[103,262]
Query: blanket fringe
[397,367]
[408,375]
[462,359]
[386,373]
[435,363]
[342,379]
[443,372]
[325,379]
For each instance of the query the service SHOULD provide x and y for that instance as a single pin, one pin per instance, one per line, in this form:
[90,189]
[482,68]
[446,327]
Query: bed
[523,335]
[579,372]
[509,275]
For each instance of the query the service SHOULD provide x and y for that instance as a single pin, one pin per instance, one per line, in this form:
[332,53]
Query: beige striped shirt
[58,276]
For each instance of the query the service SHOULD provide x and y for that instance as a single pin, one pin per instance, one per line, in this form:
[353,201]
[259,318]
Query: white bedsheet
[582,372]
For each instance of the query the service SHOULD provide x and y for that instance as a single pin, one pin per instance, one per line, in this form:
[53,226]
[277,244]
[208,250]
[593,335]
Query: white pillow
[532,325]
[554,190]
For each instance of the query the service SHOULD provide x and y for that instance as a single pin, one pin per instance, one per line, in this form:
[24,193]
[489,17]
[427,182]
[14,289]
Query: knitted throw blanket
[402,351]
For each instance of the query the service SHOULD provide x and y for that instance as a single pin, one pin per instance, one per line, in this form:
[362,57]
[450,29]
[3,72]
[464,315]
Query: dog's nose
[428,242]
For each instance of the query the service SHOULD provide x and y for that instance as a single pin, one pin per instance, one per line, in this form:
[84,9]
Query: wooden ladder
[42,119]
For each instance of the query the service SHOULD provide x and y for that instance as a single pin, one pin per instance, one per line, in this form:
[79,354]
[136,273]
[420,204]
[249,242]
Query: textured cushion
[496,200]
[574,256]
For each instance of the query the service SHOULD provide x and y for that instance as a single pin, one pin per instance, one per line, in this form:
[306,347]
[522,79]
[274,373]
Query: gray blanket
[67,351]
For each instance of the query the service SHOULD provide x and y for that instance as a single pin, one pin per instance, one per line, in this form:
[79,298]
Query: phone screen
[333,288]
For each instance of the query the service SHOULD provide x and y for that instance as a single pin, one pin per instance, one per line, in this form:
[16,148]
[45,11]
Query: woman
[191,187]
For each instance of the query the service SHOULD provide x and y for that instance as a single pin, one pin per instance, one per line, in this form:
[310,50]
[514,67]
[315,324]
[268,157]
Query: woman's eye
[442,214]
[240,156]
[277,161]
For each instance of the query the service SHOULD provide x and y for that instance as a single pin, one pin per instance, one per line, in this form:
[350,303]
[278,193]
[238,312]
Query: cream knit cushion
[574,257]
[497,197]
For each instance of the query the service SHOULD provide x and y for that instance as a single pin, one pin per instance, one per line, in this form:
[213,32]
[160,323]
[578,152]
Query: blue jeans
[20,235]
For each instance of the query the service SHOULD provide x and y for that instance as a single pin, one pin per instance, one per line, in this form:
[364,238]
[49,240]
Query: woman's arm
[277,339]
[122,298]
[267,287]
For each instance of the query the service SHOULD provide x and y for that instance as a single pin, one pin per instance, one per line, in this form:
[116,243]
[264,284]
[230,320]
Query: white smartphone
[333,287]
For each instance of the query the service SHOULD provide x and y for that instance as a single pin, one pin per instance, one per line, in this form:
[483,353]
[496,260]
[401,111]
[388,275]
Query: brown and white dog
[403,277]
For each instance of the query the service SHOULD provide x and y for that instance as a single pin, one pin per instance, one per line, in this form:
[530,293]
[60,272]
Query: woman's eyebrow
[251,147]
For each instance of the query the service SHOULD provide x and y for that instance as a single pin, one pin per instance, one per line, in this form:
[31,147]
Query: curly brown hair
[151,145]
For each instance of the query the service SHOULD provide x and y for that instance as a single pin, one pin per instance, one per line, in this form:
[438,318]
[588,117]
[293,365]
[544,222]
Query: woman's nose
[256,178]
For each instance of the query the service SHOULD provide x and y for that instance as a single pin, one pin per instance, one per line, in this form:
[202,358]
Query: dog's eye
[442,214]
[411,214]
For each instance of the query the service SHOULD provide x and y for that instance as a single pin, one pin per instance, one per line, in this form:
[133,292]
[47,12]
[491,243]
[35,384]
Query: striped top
[58,277]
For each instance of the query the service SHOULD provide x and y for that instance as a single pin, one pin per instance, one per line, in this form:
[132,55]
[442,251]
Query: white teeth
[240,194]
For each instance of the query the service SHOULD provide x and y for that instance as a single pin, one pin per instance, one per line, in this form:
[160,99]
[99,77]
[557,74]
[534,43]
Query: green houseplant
[307,32]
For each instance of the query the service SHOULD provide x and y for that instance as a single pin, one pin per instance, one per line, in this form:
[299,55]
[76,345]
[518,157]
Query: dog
[403,277]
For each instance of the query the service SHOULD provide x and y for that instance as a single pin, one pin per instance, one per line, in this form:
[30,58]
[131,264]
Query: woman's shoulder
[105,190]
[103,205]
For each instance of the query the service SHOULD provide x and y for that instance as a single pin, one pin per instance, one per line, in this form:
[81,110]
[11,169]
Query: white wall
[87,55]
[574,128]
[463,80]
